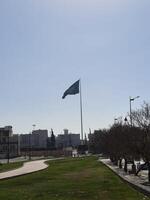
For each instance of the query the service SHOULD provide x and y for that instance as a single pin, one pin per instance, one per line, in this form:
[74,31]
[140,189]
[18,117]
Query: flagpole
[81,113]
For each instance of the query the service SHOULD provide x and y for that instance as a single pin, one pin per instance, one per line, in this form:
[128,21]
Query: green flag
[73,89]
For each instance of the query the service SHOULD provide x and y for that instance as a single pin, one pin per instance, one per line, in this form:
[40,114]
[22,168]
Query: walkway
[135,181]
[27,168]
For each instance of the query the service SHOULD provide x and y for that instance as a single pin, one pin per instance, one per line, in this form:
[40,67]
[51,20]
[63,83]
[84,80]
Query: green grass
[69,179]
[10,166]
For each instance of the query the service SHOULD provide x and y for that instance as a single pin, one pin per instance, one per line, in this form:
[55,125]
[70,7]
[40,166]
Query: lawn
[10,166]
[69,179]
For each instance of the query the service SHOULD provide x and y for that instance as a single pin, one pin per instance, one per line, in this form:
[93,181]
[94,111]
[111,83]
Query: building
[9,143]
[39,139]
[36,140]
[67,140]
[24,141]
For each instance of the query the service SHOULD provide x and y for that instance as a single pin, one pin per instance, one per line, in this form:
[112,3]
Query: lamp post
[8,153]
[34,125]
[115,120]
[29,146]
[30,141]
[130,100]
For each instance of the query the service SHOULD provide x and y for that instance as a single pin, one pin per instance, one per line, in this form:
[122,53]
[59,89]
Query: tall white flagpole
[81,113]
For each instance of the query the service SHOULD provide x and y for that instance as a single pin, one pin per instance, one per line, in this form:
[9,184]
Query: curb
[139,187]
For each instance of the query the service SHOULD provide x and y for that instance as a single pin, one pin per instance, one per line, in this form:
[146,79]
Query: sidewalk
[136,181]
[22,158]
[27,168]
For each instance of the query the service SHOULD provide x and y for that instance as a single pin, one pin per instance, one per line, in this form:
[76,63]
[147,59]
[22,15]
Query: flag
[73,89]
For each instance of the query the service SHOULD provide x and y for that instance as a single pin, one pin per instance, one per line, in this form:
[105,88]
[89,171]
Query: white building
[67,140]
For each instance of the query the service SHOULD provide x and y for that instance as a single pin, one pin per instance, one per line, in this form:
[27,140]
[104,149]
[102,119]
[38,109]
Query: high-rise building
[9,143]
[67,139]
[36,140]
[39,139]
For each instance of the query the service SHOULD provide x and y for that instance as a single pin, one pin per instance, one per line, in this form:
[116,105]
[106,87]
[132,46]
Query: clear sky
[46,45]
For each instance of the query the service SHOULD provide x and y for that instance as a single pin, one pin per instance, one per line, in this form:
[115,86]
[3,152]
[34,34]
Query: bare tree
[141,119]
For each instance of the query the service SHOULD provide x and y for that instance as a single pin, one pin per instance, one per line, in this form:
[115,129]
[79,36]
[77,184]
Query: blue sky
[46,45]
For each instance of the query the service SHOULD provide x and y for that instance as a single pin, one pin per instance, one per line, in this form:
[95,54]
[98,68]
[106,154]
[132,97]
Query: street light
[130,100]
[29,146]
[115,120]
[34,125]
[8,148]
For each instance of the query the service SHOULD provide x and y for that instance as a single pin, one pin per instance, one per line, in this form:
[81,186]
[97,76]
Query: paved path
[136,181]
[27,168]
[18,159]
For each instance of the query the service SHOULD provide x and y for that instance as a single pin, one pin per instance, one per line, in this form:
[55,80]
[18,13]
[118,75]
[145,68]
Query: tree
[97,141]
[141,119]
[123,141]
[53,140]
[119,142]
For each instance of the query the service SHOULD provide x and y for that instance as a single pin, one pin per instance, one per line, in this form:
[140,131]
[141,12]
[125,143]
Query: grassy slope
[10,166]
[70,179]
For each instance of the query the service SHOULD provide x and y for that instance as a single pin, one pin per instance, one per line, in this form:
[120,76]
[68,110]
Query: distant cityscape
[14,145]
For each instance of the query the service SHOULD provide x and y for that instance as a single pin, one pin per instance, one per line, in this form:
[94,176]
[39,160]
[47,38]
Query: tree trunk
[134,168]
[115,162]
[125,166]
[111,158]
[120,163]
[148,171]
